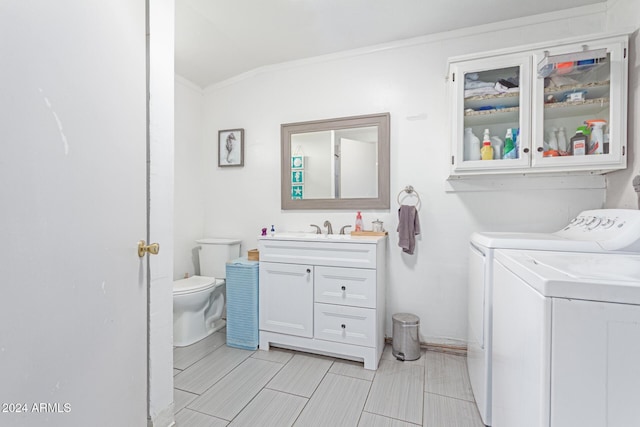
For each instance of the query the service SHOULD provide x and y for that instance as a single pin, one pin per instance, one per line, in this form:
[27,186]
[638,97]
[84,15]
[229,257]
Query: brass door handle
[143,248]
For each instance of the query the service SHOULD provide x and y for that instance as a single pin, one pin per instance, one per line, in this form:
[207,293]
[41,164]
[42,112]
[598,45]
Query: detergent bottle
[487,150]
[471,145]
[596,144]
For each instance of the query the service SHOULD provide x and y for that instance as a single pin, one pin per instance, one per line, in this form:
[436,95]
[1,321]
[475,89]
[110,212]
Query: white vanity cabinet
[323,295]
[541,92]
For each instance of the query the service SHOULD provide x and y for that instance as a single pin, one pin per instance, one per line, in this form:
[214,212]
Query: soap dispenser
[359,221]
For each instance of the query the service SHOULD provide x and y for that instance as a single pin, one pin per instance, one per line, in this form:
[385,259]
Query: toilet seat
[195,284]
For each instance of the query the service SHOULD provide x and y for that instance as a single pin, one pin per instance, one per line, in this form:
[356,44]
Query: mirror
[336,164]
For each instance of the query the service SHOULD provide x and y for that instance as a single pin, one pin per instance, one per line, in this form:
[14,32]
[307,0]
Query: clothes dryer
[592,231]
[566,339]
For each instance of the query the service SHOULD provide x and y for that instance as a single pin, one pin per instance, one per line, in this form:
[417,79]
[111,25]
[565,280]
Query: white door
[73,295]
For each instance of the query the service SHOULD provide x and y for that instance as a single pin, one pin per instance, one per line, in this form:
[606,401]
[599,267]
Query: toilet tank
[214,254]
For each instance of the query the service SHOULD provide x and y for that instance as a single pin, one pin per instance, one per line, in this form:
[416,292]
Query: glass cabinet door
[578,106]
[491,104]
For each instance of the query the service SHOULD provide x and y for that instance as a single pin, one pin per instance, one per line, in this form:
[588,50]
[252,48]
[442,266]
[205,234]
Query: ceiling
[219,39]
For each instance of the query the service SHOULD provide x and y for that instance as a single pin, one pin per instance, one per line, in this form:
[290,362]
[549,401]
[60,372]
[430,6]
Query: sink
[308,236]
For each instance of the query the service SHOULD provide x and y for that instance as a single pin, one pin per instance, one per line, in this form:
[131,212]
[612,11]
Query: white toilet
[198,302]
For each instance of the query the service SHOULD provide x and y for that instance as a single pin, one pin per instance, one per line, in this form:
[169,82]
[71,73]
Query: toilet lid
[194,284]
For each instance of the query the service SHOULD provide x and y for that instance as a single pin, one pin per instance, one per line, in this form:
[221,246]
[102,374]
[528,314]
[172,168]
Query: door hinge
[625,52]
[623,150]
[453,77]
[452,158]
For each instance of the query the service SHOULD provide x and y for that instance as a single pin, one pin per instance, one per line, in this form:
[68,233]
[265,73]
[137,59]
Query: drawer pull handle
[344,288]
[343,326]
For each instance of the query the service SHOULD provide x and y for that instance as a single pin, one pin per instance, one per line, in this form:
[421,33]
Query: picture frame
[230,147]
[297,162]
[297,192]
[297,177]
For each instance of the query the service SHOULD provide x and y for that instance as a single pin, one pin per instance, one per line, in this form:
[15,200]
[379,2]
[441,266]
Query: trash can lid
[406,318]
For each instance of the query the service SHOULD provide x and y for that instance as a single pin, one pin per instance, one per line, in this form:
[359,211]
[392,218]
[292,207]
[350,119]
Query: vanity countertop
[329,238]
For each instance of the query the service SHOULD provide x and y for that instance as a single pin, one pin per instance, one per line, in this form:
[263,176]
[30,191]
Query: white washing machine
[593,231]
[566,339]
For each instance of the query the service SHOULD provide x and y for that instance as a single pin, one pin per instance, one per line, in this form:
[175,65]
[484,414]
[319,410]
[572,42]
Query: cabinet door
[572,85]
[286,298]
[491,94]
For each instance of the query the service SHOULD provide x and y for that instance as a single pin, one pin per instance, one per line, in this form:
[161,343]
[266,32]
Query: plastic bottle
[563,147]
[509,149]
[579,144]
[359,221]
[486,152]
[553,140]
[596,145]
[471,145]
[498,147]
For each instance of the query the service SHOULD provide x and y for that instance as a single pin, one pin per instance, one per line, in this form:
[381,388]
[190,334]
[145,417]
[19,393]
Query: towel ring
[410,191]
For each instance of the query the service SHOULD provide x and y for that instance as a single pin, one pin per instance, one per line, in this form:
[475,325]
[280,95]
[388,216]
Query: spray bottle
[509,147]
[596,144]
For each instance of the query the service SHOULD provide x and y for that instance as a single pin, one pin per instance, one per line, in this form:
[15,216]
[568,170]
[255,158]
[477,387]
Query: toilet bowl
[198,301]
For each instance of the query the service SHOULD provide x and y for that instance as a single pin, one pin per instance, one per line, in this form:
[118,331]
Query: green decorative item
[297,162]
[297,177]
[297,191]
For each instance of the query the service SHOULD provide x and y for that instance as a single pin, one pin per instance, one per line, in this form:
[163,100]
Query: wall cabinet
[323,295]
[543,94]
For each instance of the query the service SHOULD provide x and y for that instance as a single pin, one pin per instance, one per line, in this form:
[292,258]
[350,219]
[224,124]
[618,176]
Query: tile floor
[216,385]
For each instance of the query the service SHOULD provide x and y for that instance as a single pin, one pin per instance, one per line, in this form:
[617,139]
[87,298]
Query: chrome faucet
[343,228]
[318,230]
[329,228]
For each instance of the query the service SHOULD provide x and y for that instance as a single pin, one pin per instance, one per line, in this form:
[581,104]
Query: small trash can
[406,340]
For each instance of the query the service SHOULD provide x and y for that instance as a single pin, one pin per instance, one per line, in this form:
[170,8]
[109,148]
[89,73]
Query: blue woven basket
[242,304]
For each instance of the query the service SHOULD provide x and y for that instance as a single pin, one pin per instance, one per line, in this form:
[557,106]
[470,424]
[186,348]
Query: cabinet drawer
[359,255]
[351,325]
[345,286]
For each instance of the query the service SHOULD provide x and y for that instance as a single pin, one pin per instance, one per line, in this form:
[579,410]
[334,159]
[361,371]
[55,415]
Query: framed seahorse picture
[231,147]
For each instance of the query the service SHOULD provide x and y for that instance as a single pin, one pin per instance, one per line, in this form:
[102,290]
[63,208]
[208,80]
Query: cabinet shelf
[594,89]
[491,117]
[510,99]
[588,107]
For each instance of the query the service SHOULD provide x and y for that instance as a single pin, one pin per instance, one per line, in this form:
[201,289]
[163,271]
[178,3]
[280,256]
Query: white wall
[188,211]
[407,80]
[620,192]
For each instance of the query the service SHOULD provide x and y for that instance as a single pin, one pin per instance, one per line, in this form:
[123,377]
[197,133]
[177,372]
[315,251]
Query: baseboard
[459,350]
